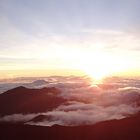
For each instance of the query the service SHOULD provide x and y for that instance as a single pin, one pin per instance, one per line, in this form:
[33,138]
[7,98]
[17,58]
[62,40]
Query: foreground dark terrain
[125,129]
[70,118]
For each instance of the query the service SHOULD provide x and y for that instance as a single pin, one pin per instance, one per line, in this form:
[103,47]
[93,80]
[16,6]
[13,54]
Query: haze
[69,37]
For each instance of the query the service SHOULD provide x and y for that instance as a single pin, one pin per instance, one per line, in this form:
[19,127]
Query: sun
[99,66]
[97,74]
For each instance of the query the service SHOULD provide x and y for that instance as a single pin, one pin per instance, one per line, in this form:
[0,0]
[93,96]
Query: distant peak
[40,82]
[20,87]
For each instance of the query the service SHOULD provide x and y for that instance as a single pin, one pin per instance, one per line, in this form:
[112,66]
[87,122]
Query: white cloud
[88,104]
[17,118]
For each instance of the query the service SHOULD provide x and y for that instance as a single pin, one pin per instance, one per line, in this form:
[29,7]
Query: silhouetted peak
[38,118]
[26,100]
[17,89]
[22,89]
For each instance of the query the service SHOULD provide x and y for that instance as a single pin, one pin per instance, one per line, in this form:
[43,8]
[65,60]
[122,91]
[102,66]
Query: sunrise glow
[68,42]
[70,69]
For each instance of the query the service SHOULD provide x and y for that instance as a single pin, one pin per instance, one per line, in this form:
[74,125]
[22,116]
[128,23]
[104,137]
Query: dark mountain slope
[24,100]
[124,129]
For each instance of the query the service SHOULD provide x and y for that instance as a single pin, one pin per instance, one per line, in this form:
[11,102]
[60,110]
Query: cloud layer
[87,102]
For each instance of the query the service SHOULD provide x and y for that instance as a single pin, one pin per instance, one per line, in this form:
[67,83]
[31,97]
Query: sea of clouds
[88,102]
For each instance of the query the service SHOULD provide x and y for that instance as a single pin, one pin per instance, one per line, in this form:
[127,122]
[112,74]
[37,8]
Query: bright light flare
[100,65]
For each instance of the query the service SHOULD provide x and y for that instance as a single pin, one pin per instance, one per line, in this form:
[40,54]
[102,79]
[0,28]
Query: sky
[98,37]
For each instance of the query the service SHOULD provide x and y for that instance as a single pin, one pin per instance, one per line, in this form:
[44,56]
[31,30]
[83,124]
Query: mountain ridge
[25,100]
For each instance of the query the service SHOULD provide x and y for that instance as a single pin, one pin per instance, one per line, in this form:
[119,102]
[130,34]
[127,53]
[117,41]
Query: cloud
[85,114]
[88,103]
[94,104]
[17,118]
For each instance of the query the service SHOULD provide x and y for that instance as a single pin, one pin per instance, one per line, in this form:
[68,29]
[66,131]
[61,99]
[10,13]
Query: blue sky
[51,34]
[63,16]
